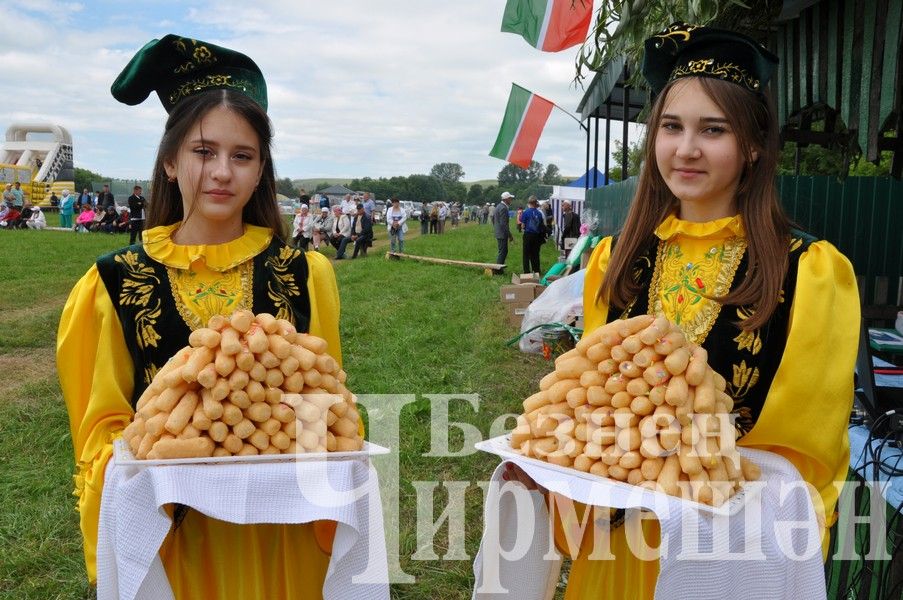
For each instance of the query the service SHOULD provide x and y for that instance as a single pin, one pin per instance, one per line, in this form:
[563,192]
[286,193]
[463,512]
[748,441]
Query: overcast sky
[356,88]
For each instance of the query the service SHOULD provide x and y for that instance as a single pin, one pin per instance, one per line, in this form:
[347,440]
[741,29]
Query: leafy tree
[475,193]
[448,172]
[634,160]
[552,175]
[285,187]
[84,177]
[512,174]
[424,188]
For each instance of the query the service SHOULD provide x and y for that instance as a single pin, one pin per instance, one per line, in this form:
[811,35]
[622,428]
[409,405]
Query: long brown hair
[752,118]
[165,207]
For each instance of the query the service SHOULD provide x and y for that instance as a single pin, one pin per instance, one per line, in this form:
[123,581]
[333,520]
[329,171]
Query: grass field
[407,328]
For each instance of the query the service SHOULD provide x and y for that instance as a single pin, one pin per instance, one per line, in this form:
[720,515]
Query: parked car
[379,212]
[408,207]
[416,210]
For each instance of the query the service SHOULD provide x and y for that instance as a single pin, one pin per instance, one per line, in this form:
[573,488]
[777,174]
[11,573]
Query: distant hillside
[484,182]
[311,182]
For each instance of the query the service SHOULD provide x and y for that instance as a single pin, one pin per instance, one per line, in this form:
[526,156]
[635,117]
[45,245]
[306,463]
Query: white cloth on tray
[703,556]
[133,523]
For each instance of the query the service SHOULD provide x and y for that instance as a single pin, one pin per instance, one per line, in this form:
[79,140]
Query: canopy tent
[591,179]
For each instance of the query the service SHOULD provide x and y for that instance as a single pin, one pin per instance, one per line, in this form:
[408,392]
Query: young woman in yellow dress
[707,244]
[215,242]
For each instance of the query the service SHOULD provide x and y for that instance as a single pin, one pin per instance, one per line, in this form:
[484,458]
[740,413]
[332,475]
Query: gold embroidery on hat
[675,32]
[199,85]
[725,71]
[201,56]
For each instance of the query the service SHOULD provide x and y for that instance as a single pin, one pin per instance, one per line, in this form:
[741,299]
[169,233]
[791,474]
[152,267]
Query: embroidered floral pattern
[674,33]
[683,299]
[198,300]
[726,71]
[282,285]
[748,340]
[137,289]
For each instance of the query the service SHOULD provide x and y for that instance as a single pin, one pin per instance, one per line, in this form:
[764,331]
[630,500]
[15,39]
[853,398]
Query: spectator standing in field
[67,203]
[546,208]
[520,223]
[106,198]
[8,197]
[396,218]
[348,205]
[570,223]
[369,205]
[502,228]
[534,227]
[18,196]
[83,199]
[455,215]
[37,220]
[302,227]
[424,219]
[136,214]
[324,201]
[361,231]
[434,217]
[54,199]
[443,216]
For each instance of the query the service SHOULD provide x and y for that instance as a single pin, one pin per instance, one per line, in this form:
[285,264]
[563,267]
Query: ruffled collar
[719,228]
[217,257]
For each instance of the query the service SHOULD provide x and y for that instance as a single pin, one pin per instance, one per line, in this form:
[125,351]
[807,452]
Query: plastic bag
[561,302]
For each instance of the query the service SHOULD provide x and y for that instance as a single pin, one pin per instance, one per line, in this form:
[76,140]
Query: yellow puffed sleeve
[595,312]
[96,377]
[324,302]
[808,406]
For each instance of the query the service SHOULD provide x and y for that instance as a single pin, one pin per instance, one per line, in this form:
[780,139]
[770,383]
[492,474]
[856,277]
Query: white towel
[133,523]
[702,559]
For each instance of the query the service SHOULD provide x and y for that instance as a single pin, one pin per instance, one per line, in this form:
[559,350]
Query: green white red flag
[525,118]
[549,25]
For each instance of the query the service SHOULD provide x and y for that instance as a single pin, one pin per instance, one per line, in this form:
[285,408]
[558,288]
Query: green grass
[407,328]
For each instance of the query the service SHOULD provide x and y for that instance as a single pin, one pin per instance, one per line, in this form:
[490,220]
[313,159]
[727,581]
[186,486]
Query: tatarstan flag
[525,117]
[550,25]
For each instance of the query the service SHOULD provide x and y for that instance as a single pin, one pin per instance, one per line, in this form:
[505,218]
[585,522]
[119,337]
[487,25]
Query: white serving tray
[123,456]
[501,446]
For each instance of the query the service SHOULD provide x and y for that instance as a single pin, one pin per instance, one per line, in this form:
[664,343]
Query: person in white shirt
[349,206]
[341,228]
[443,215]
[302,227]
[37,220]
[395,223]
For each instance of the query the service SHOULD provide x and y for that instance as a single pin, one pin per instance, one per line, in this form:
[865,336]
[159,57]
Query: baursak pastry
[246,385]
[636,402]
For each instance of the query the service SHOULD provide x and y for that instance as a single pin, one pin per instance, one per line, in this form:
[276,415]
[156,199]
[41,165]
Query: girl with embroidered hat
[215,242]
[707,244]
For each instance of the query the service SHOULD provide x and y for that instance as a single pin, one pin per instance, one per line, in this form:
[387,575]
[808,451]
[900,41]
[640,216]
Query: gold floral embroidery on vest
[748,340]
[150,371]
[283,286]
[138,286]
[197,300]
[744,378]
[683,301]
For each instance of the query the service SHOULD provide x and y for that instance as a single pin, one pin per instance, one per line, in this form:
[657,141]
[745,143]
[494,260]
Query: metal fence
[862,216]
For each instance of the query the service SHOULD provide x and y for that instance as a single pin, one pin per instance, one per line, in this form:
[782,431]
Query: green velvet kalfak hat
[176,68]
[684,50]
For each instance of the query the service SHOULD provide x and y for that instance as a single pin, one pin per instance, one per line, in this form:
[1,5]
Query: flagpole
[579,122]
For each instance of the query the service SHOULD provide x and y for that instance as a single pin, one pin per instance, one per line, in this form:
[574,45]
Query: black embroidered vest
[152,323]
[747,360]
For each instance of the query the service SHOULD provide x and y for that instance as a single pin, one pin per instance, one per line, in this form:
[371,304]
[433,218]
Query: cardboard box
[525,278]
[524,293]
[516,314]
[538,290]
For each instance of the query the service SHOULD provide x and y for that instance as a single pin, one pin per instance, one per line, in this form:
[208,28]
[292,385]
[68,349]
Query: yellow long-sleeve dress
[807,402]
[203,557]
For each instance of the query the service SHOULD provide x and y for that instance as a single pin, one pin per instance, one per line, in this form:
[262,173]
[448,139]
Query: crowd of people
[347,223]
